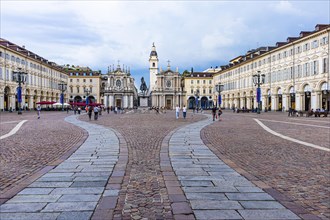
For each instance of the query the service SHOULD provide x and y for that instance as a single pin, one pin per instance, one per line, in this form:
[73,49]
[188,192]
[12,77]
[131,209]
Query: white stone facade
[296,74]
[43,77]
[119,89]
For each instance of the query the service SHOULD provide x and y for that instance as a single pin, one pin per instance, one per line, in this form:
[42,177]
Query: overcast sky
[196,34]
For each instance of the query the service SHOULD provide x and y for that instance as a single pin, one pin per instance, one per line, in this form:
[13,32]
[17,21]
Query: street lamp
[87,91]
[62,86]
[219,89]
[19,77]
[258,79]
[196,98]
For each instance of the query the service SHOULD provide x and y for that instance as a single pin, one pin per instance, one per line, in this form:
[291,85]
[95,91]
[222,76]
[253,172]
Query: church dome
[153,53]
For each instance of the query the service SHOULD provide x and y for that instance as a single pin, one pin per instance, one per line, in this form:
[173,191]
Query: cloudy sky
[196,34]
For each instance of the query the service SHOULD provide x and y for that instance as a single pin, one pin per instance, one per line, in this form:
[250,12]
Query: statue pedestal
[143,101]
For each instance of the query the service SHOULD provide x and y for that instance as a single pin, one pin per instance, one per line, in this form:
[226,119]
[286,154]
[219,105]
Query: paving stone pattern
[71,190]
[143,193]
[34,146]
[215,190]
[299,173]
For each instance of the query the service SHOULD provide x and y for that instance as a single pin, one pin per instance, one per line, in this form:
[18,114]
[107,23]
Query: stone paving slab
[214,190]
[73,189]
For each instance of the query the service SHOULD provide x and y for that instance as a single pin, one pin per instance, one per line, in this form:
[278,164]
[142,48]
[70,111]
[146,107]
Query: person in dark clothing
[214,112]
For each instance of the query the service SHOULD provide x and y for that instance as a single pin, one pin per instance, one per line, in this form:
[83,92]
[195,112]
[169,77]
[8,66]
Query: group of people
[91,109]
[184,111]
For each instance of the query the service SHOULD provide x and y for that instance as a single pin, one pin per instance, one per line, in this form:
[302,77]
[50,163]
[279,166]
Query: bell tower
[153,67]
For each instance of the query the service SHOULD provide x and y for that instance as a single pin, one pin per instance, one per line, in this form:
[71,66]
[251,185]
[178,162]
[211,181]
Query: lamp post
[258,79]
[87,91]
[19,77]
[196,98]
[62,86]
[219,89]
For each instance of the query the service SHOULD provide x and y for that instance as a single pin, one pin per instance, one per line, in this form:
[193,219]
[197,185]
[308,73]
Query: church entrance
[118,103]
[168,103]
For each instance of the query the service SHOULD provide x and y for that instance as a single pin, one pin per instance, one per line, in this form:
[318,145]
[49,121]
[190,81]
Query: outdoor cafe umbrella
[60,104]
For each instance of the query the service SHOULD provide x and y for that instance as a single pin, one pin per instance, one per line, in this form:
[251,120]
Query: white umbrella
[60,104]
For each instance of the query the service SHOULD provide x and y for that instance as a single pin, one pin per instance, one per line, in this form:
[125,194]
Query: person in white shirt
[177,111]
[184,111]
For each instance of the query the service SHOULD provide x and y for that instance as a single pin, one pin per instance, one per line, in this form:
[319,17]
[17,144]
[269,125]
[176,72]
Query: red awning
[78,103]
[45,103]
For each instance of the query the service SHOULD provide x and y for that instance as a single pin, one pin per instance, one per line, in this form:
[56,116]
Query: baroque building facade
[83,84]
[118,88]
[42,79]
[199,90]
[296,74]
[166,86]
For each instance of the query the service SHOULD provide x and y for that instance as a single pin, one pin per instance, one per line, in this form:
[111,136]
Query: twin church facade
[296,75]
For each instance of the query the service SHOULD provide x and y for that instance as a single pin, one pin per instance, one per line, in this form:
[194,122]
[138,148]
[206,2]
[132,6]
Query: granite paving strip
[214,189]
[72,189]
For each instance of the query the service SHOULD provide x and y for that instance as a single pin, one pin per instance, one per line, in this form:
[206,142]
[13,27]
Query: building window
[70,80]
[210,82]
[84,80]
[325,65]
[77,89]
[192,82]
[315,67]
[324,41]
[306,47]
[204,91]
[198,81]
[71,74]
[77,80]
[153,64]
[204,81]
[71,89]
[90,80]
[77,74]
[192,91]
[306,69]
[299,71]
[84,74]
[210,91]
[315,44]
[298,49]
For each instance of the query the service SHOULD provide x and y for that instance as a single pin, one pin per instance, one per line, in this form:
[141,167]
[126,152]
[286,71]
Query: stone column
[285,101]
[12,100]
[111,101]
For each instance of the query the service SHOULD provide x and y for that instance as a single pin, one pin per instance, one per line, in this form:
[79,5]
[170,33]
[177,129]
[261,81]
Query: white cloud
[286,7]
[189,33]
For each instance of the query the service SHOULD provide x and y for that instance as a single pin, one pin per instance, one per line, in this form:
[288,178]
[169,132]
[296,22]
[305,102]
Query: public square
[143,165]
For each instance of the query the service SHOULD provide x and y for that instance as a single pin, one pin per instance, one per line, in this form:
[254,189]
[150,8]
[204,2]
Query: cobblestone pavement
[299,172]
[37,144]
[72,189]
[143,192]
[143,185]
[214,190]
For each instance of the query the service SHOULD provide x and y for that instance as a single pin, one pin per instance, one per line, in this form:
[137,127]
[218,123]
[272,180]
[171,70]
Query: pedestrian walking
[214,112]
[219,113]
[96,112]
[38,111]
[177,111]
[184,111]
[90,111]
[108,109]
